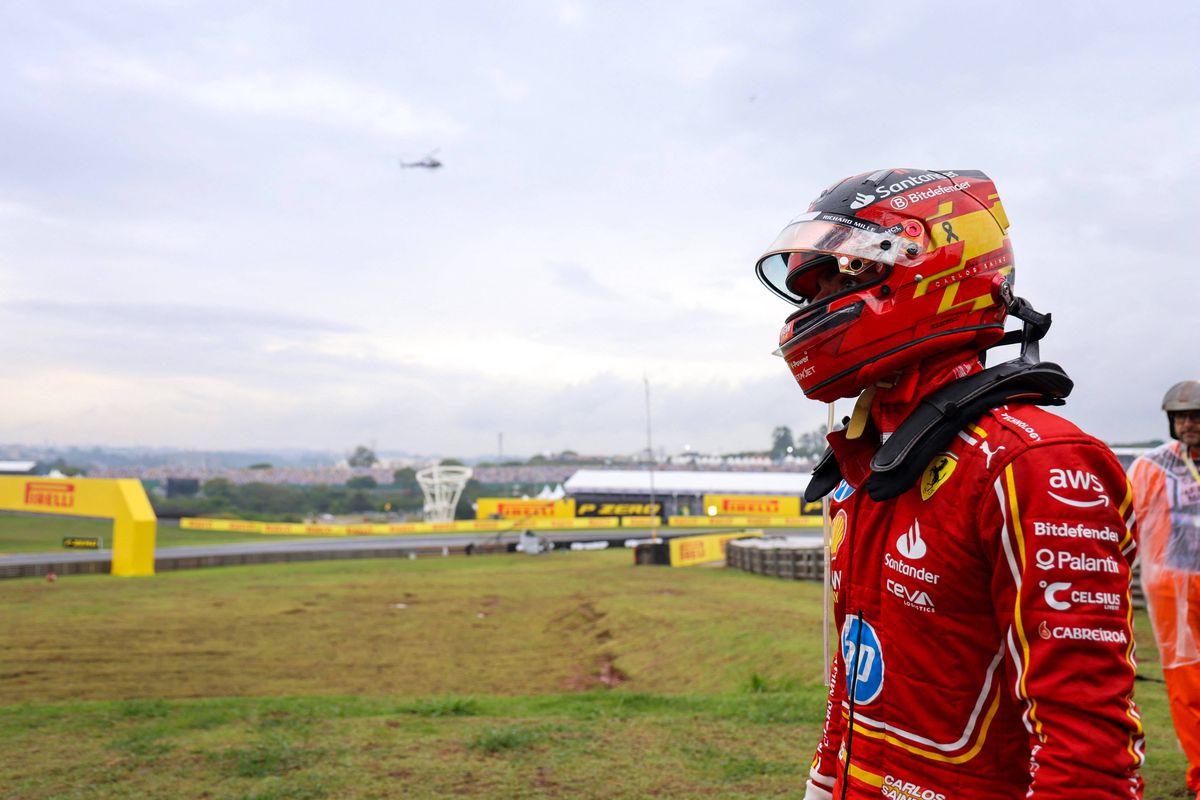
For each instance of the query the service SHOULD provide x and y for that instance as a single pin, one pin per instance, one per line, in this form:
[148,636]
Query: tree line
[362,494]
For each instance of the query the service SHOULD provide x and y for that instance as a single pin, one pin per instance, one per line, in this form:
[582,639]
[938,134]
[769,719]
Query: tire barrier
[778,556]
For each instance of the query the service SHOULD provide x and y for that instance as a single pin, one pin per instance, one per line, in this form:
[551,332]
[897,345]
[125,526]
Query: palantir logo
[910,544]
[862,201]
[1046,559]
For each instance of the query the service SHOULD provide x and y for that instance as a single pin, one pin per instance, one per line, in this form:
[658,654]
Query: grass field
[566,675]
[32,533]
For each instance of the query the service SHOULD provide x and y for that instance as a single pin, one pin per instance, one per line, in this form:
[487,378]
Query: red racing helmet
[918,259]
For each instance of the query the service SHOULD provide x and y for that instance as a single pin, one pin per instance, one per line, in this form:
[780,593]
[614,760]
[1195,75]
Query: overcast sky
[206,239]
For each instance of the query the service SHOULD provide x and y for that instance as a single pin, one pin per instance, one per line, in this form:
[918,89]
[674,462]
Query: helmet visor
[789,267]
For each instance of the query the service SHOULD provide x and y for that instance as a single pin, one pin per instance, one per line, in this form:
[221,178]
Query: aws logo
[938,472]
[1079,481]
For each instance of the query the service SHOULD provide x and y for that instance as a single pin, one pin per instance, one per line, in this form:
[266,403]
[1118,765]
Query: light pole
[650,453]
[827,525]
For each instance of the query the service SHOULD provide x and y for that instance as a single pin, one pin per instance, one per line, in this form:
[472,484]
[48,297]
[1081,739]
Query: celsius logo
[862,200]
[1053,589]
[1109,600]
[900,202]
[910,544]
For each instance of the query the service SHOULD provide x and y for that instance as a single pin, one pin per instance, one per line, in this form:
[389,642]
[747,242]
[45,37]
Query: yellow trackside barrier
[568,523]
[687,551]
[361,529]
[494,525]
[641,522]
[729,521]
[123,500]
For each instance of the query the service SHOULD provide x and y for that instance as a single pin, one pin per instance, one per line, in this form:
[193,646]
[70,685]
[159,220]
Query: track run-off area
[565,674]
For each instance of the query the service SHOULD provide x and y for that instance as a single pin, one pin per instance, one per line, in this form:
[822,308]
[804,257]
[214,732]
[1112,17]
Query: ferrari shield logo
[937,473]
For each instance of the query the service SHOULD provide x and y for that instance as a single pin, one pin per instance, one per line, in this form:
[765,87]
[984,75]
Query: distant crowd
[294,476]
[336,476]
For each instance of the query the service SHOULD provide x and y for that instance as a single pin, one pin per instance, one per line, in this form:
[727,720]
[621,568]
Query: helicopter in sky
[428,162]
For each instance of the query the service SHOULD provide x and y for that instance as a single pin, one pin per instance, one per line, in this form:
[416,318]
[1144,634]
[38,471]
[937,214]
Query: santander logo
[910,544]
[862,200]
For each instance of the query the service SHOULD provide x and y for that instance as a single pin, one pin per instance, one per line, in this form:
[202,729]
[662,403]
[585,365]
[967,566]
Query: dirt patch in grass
[449,626]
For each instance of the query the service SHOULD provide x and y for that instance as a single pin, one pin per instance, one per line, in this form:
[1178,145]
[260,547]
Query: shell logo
[837,532]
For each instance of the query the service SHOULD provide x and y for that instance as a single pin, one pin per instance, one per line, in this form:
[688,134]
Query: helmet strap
[1034,325]
[862,413]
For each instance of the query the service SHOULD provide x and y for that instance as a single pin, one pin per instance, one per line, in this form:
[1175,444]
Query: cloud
[304,95]
[204,233]
[698,65]
[168,318]
[580,280]
[507,86]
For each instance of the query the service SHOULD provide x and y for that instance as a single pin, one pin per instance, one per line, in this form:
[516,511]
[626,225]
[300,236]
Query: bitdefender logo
[862,201]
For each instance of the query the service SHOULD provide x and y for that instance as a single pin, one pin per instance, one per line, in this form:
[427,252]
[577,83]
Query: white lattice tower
[442,486]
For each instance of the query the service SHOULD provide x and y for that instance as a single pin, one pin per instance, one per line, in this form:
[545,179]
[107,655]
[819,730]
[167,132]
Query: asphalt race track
[324,549]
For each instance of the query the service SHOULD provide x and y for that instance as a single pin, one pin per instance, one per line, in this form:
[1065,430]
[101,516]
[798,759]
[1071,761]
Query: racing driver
[981,545]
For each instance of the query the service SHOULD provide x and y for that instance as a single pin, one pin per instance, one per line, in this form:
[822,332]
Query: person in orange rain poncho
[1166,487]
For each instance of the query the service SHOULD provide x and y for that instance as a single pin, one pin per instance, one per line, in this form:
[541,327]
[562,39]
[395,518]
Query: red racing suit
[985,616]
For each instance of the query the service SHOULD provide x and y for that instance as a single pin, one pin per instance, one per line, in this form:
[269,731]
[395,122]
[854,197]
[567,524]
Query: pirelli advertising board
[123,500]
[753,505]
[688,551]
[516,508]
[600,507]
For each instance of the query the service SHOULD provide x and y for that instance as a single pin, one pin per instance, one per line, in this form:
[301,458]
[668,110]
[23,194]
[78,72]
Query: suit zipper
[853,691]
